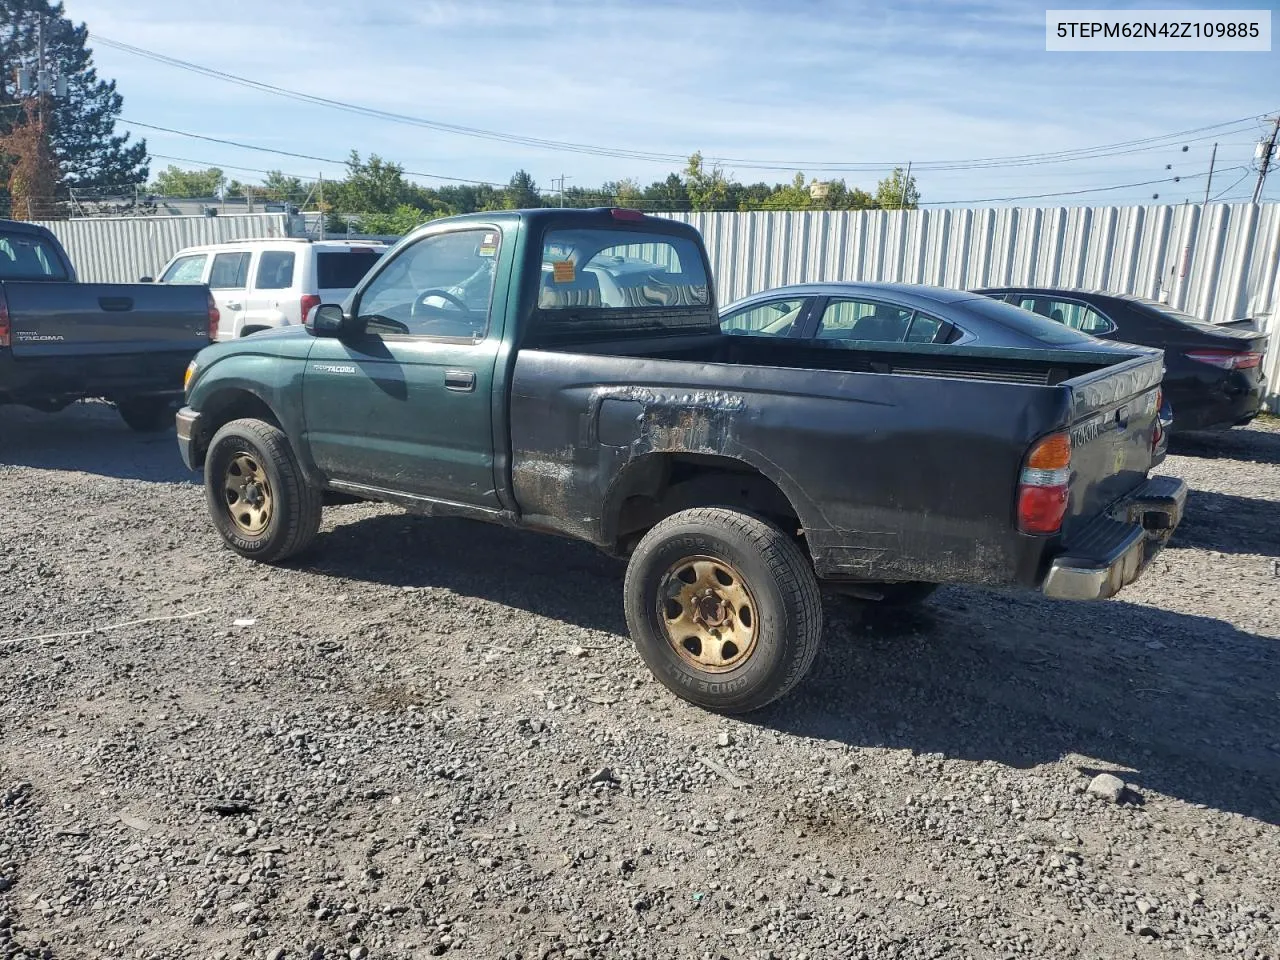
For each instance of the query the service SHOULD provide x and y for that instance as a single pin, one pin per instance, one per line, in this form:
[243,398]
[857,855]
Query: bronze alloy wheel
[708,613]
[247,494]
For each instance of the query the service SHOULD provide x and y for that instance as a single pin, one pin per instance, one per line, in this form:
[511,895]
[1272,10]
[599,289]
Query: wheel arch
[652,487]
[220,407]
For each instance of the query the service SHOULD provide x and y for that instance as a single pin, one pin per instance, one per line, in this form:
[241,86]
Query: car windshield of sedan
[1024,321]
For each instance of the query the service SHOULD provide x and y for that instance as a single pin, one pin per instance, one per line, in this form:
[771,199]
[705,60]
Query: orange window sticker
[562,271]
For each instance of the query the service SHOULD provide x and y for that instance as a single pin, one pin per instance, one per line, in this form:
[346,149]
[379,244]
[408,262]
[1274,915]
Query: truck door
[405,404]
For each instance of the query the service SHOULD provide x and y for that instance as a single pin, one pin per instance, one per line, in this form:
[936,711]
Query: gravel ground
[433,738]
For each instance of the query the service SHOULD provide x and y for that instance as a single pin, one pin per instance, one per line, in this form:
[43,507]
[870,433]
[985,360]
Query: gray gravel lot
[433,738]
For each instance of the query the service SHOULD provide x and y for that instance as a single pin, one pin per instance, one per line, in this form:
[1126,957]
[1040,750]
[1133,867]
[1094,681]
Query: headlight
[186,377]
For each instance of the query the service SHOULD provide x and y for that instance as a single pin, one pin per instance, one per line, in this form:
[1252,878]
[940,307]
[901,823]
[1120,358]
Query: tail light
[625,213]
[1227,359]
[1158,433]
[309,302]
[1043,486]
[6,332]
[214,318]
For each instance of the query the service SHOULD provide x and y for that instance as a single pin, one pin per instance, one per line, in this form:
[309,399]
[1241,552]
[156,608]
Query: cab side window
[441,286]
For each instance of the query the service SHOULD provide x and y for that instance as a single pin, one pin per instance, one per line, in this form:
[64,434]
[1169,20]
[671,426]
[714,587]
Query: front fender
[261,383]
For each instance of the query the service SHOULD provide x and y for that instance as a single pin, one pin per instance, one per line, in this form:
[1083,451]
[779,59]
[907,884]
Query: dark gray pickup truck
[62,341]
[518,367]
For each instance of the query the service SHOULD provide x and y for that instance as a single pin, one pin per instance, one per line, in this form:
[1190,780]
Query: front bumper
[187,426]
[1112,552]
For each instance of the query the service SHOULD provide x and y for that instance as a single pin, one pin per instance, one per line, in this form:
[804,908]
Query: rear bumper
[187,426]
[1234,402]
[1114,550]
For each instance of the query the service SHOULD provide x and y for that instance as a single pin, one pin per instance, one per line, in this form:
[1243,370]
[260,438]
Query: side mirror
[329,321]
[146,280]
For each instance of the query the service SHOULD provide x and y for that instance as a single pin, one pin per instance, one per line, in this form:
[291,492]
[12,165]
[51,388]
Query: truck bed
[901,461]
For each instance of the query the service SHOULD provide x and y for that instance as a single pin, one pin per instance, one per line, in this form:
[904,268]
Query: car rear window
[29,257]
[343,269]
[1024,321]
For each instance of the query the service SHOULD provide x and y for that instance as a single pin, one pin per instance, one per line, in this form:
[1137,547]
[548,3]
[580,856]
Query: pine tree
[81,125]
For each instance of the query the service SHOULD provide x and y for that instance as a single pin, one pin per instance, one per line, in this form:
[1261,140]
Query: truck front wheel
[724,608]
[258,498]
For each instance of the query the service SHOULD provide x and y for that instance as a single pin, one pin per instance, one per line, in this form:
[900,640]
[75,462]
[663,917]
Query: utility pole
[1208,183]
[41,76]
[560,180]
[1266,157]
[320,204]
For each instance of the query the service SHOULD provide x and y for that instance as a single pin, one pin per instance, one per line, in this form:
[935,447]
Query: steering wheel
[436,292]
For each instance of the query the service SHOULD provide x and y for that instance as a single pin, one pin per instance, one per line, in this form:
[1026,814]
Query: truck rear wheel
[258,498]
[147,414]
[724,608]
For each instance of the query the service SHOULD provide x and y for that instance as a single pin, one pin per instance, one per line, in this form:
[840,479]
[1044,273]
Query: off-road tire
[780,580]
[147,414]
[297,507]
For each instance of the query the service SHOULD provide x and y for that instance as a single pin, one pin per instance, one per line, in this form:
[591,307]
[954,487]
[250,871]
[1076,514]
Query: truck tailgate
[1114,417]
[79,319]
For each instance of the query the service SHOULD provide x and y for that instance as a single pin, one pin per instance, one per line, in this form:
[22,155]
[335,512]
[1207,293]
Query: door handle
[233,304]
[463,381]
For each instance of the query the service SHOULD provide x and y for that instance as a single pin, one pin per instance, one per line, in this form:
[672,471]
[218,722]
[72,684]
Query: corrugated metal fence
[123,250]
[1219,262]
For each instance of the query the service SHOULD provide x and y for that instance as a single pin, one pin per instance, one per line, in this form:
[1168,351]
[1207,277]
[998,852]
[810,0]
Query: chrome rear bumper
[1114,550]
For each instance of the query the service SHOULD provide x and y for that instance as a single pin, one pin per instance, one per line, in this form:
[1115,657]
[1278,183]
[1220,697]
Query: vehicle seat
[584,291]
[886,324]
[1056,316]
[662,289]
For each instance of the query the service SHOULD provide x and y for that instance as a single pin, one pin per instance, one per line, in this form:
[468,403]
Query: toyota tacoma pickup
[564,371]
[62,341]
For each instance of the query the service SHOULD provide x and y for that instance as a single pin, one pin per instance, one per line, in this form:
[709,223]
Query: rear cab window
[617,279]
[29,257]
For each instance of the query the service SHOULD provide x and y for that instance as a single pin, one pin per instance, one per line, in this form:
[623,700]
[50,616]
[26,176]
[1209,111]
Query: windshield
[25,256]
[1025,322]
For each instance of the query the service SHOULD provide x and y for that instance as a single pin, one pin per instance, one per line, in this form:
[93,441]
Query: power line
[296,156]
[1063,156]
[1070,193]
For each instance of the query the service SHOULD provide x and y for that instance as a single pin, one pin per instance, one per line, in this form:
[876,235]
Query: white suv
[262,284]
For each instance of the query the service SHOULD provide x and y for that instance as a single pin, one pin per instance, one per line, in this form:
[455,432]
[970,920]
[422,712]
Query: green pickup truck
[564,371]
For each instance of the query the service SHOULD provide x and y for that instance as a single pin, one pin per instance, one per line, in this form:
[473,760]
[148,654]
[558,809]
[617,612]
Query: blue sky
[801,83]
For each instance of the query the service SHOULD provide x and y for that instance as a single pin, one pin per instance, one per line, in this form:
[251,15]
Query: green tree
[278,186]
[81,125]
[708,189]
[176,182]
[371,186]
[669,195]
[897,191]
[521,192]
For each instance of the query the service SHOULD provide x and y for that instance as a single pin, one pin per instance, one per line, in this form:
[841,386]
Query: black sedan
[1213,374]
